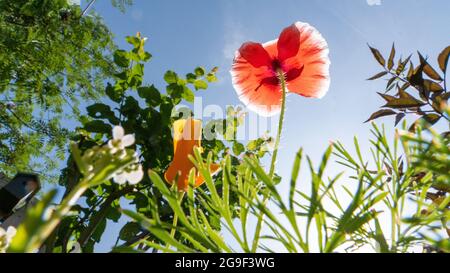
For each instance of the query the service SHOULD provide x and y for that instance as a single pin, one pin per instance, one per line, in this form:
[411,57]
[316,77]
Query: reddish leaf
[429,120]
[443,58]
[381,113]
[404,103]
[432,86]
[429,70]
[391,58]
[399,118]
[378,56]
[379,75]
[386,97]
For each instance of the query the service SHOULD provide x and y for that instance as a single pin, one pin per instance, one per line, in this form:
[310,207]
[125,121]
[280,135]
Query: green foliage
[420,90]
[149,114]
[385,187]
[51,59]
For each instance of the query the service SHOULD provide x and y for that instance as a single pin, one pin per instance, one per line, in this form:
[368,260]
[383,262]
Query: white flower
[76,248]
[133,176]
[6,238]
[120,140]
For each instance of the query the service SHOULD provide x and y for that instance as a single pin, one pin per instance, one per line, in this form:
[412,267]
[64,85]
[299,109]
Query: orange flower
[187,136]
[300,54]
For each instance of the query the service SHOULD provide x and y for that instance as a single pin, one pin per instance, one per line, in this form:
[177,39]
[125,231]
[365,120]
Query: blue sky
[185,34]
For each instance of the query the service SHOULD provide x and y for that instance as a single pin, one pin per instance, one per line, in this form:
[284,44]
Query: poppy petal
[255,54]
[288,43]
[254,85]
[314,80]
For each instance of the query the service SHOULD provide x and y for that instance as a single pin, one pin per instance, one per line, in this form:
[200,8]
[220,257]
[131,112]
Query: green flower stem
[280,122]
[282,80]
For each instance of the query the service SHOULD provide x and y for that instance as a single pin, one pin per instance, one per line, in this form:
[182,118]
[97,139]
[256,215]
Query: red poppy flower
[300,53]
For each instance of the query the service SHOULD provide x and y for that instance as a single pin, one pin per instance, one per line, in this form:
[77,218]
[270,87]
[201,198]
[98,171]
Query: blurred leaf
[199,71]
[399,118]
[98,126]
[171,77]
[238,148]
[129,231]
[200,84]
[29,231]
[211,77]
[188,95]
[102,111]
[428,119]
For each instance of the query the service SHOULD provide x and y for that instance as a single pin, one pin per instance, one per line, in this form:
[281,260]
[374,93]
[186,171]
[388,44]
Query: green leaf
[114,92]
[102,111]
[379,237]
[175,91]
[145,56]
[381,113]
[133,40]
[253,145]
[129,231]
[171,77]
[98,126]
[211,77]
[190,77]
[294,177]
[238,148]
[199,71]
[121,58]
[150,94]
[443,59]
[188,95]
[200,84]
[378,56]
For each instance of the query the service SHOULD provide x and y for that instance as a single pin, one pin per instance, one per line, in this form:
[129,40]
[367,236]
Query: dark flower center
[288,76]
[276,65]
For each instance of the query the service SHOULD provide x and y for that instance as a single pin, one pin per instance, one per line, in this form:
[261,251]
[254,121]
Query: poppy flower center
[276,65]
[289,75]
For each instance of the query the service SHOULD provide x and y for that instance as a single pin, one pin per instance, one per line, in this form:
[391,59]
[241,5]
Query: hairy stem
[274,155]
[280,122]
